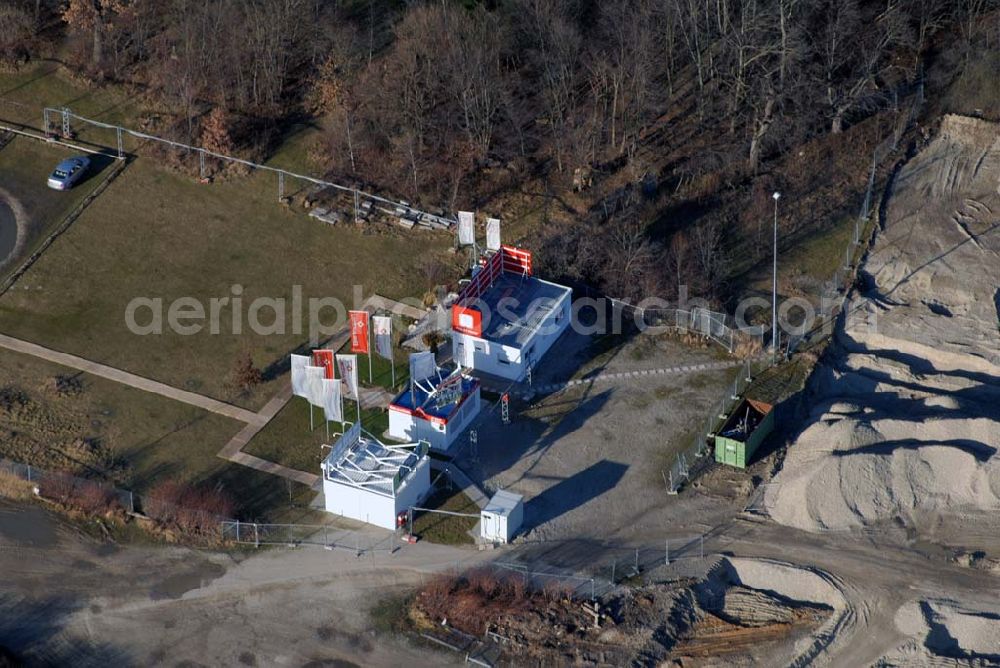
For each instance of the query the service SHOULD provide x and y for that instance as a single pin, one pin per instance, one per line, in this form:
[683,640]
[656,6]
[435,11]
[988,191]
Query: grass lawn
[25,165]
[447,529]
[24,92]
[156,234]
[99,428]
[288,440]
[807,265]
[95,426]
[381,369]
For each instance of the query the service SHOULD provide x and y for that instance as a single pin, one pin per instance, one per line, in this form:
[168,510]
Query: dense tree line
[419,96]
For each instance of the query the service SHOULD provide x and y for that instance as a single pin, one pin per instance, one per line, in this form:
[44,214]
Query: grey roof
[503,503]
[370,464]
[526,301]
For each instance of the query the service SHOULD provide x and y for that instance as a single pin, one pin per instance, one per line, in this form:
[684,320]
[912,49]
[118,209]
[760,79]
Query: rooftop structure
[371,481]
[435,409]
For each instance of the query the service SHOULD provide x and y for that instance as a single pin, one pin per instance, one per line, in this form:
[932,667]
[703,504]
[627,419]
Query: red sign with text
[359,331]
[324,358]
[466,320]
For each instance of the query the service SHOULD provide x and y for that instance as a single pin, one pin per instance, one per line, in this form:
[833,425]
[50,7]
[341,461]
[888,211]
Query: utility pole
[774,284]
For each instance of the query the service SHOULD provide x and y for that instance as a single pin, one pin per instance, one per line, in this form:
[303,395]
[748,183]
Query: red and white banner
[359,331]
[348,365]
[324,358]
[383,336]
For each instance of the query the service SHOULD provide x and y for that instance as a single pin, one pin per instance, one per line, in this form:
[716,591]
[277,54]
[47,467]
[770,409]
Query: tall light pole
[774,284]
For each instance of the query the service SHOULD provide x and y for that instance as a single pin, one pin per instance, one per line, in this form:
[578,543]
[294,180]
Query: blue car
[68,172]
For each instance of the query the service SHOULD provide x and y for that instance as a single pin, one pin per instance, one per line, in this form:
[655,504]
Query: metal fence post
[121,149]
[131,503]
[256,536]
[201,164]
[667,553]
[281,186]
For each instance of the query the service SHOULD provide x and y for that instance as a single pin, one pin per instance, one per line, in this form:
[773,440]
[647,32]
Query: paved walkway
[370,398]
[130,379]
[253,422]
[520,389]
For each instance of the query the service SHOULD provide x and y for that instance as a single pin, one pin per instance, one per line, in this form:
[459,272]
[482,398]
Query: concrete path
[373,397]
[378,302]
[370,398]
[521,389]
[130,379]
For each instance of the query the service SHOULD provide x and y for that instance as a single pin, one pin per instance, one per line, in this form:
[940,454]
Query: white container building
[502,517]
[505,319]
[435,409]
[373,482]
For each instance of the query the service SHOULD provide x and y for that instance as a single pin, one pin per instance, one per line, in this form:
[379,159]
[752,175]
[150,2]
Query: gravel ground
[589,459]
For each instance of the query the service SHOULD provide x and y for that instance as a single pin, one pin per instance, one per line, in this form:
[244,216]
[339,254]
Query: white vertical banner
[333,403]
[422,365]
[299,364]
[348,366]
[466,228]
[383,335]
[314,384]
[493,234]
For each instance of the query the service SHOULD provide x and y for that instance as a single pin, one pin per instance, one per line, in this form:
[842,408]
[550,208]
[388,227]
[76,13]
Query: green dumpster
[743,432]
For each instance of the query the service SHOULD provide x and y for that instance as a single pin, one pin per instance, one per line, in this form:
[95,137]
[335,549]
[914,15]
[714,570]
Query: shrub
[93,499]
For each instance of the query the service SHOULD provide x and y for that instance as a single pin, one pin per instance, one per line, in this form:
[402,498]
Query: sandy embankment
[906,407]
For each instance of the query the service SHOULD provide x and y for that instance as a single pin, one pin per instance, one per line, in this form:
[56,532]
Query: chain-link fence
[717,326]
[95,495]
[353,200]
[330,537]
[680,470]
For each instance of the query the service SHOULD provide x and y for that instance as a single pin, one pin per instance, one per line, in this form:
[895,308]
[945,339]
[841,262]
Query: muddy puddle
[27,526]
[175,586]
[8,231]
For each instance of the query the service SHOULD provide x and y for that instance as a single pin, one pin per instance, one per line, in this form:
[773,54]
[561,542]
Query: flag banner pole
[392,364]
[310,417]
[359,407]
[327,428]
[369,333]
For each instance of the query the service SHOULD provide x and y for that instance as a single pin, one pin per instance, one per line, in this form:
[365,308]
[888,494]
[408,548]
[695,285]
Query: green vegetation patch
[447,529]
[155,234]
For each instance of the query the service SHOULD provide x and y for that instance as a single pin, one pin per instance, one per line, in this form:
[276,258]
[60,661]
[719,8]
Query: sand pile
[906,403]
[936,265]
[945,633]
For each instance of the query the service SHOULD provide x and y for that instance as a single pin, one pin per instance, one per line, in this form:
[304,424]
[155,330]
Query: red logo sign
[359,331]
[324,358]
[466,320]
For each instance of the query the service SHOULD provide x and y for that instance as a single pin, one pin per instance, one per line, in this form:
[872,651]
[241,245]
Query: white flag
[383,336]
[314,384]
[333,405]
[299,364]
[348,365]
[493,234]
[466,228]
[422,365]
